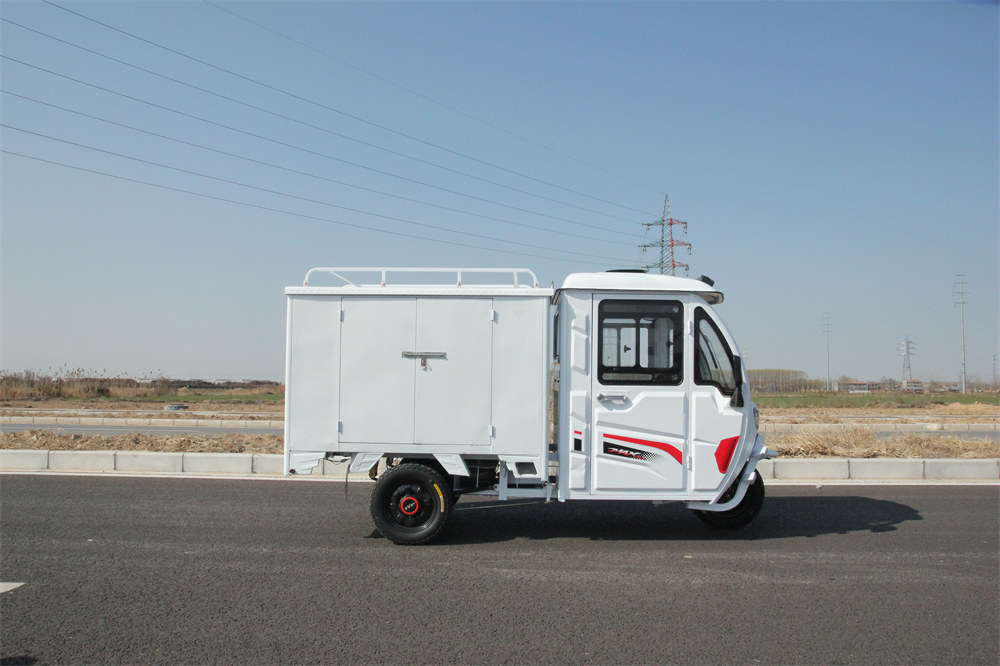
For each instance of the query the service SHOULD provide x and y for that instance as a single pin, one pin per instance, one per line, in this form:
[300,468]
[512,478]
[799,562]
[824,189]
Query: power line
[425,97]
[341,112]
[314,152]
[307,174]
[280,211]
[319,128]
[297,197]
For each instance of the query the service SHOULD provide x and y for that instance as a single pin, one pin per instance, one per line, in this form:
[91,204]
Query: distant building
[855,386]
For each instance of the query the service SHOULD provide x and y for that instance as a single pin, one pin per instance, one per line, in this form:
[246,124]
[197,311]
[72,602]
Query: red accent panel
[724,454]
[662,446]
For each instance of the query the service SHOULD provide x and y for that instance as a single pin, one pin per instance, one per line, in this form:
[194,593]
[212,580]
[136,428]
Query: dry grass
[857,442]
[862,442]
[53,441]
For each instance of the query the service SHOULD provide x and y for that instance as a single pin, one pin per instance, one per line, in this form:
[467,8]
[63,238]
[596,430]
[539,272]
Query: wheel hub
[409,505]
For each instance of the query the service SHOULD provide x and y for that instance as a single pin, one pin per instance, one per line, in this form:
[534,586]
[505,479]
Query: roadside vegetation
[95,389]
[863,442]
[870,401]
[857,442]
[25,393]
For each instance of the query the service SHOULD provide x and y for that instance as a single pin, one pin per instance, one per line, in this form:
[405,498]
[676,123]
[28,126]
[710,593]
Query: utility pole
[906,349]
[667,243]
[960,295]
[826,329]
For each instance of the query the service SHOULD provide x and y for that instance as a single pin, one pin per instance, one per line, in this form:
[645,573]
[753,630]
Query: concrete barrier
[271,464]
[966,470]
[84,461]
[145,461]
[17,459]
[812,468]
[218,463]
[870,469]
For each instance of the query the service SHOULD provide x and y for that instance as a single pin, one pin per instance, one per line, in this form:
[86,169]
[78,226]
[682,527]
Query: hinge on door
[491,431]
[493,316]
[340,427]
[341,314]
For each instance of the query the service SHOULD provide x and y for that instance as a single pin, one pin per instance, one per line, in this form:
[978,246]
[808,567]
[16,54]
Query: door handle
[612,397]
[423,356]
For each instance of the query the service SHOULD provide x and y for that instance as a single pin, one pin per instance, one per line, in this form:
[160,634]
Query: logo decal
[626,452]
[669,449]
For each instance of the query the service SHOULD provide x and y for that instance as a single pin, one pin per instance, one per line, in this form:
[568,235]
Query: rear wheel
[410,504]
[742,513]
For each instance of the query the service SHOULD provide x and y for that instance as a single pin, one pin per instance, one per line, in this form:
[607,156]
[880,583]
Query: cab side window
[640,342]
[713,360]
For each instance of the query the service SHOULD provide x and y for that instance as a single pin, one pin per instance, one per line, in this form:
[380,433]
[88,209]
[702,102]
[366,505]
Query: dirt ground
[859,441]
[206,409]
[53,441]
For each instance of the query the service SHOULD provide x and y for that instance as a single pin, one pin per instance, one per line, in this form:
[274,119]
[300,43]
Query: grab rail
[384,272]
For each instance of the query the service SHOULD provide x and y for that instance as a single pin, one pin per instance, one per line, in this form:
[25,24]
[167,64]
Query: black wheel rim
[411,505]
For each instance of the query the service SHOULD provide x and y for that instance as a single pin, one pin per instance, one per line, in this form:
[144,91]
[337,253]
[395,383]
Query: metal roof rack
[458,274]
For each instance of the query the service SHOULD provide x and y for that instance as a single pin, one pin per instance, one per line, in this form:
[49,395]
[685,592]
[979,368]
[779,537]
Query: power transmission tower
[667,242]
[906,349]
[826,329]
[960,295]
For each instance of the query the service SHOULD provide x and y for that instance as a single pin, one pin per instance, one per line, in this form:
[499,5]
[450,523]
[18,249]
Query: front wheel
[410,504]
[742,513]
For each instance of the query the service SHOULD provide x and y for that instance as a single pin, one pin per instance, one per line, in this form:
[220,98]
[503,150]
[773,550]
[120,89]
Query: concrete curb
[149,462]
[272,465]
[880,469]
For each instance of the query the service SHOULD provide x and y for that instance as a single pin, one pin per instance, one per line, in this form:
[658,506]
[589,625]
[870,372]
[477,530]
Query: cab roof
[629,281]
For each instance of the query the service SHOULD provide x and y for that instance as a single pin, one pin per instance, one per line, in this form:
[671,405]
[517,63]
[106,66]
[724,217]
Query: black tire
[410,504]
[742,513]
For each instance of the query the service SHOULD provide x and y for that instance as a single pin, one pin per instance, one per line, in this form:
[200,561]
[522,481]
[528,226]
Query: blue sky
[169,167]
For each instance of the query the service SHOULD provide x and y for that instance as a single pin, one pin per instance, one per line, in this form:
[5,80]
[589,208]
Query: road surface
[148,570]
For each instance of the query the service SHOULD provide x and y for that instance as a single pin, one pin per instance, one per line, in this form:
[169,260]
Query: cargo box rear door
[416,371]
[454,386]
[376,381]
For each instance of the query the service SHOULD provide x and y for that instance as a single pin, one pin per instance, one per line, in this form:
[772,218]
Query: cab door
[717,418]
[639,396]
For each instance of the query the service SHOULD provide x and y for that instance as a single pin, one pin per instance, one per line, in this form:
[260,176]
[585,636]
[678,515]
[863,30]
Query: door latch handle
[612,397]
[423,356]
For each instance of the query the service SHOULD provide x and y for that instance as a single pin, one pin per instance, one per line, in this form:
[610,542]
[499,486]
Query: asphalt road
[146,570]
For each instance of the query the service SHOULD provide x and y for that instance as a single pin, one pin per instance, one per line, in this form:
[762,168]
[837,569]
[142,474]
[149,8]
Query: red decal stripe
[672,450]
[724,454]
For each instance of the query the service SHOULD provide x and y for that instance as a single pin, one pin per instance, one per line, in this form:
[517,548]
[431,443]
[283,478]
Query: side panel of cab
[649,398]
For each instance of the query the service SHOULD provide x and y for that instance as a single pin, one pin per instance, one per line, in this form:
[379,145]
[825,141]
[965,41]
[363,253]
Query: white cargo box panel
[416,368]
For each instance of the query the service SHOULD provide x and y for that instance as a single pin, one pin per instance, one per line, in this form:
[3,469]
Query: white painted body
[460,374]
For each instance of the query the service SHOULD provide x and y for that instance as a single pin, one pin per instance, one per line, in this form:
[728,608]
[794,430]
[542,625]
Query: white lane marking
[7,587]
